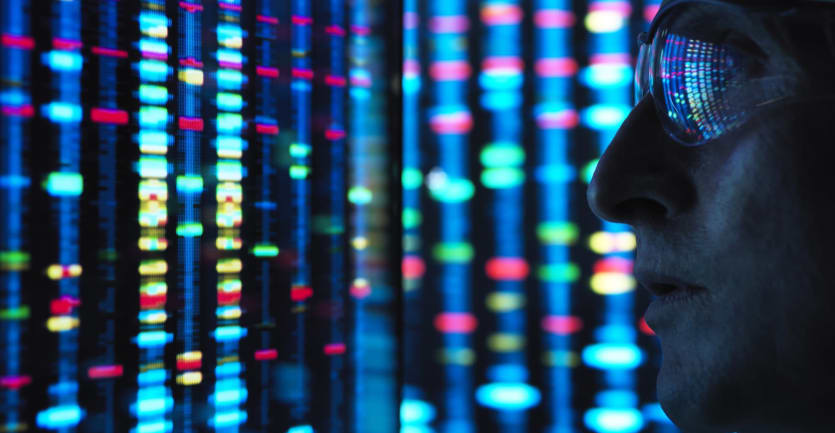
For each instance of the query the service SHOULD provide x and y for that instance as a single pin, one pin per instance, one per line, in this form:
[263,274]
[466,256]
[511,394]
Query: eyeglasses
[703,80]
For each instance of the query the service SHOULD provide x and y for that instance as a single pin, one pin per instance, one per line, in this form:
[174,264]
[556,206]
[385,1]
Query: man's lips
[671,295]
[664,285]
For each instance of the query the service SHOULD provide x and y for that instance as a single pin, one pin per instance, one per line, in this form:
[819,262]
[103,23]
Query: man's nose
[642,176]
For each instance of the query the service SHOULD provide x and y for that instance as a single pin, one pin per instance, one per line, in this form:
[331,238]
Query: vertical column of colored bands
[230,390]
[266,248]
[154,400]
[609,77]
[449,184]
[555,116]
[416,412]
[373,309]
[109,119]
[301,290]
[502,158]
[189,183]
[65,186]
[15,114]
[332,225]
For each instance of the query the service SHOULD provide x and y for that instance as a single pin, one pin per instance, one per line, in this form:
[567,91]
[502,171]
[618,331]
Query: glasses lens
[695,80]
[641,74]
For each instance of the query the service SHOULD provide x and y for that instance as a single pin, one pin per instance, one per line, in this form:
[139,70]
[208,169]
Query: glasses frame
[646,39]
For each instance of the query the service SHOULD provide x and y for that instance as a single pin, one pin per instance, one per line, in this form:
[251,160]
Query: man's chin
[687,405]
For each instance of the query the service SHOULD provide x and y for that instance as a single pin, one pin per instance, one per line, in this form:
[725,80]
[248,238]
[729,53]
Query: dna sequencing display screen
[191,241]
[317,216]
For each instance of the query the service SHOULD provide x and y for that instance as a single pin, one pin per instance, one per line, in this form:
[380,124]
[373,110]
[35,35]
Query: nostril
[662,289]
[629,210]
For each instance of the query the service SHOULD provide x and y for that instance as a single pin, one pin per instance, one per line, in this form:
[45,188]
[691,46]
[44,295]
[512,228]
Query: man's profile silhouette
[724,169]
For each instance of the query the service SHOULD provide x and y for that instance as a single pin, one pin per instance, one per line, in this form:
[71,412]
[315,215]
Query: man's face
[751,218]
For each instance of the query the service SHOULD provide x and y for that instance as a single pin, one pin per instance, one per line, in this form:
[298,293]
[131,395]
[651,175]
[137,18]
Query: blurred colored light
[557,232]
[502,177]
[507,268]
[360,195]
[562,325]
[453,252]
[612,283]
[604,21]
[62,184]
[605,116]
[63,60]
[503,342]
[62,112]
[416,412]
[502,302]
[508,396]
[502,155]
[612,356]
[463,323]
[58,417]
[614,420]
[265,250]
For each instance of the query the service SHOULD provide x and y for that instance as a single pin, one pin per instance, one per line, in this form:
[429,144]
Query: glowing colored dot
[562,325]
[62,323]
[359,243]
[229,265]
[360,288]
[265,250]
[609,420]
[58,417]
[558,272]
[607,75]
[612,356]
[359,195]
[228,243]
[452,190]
[14,260]
[503,177]
[606,242]
[416,412]
[299,150]
[507,268]
[191,76]
[612,283]
[557,233]
[299,171]
[18,313]
[502,155]
[605,116]
[413,267]
[190,378]
[560,358]
[453,252]
[189,360]
[456,356]
[411,218]
[508,396]
[189,184]
[153,267]
[57,272]
[604,21]
[412,178]
[503,302]
[505,342]
[463,323]
[189,230]
[61,184]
